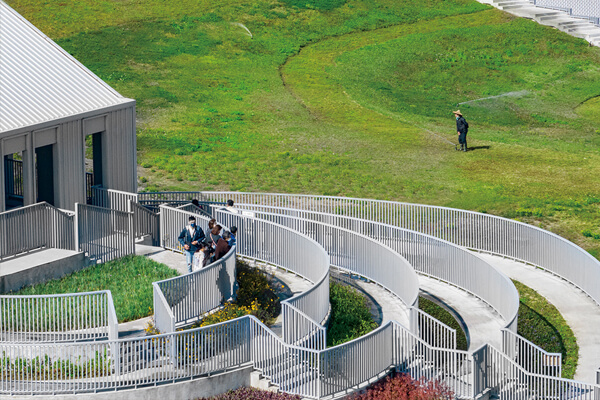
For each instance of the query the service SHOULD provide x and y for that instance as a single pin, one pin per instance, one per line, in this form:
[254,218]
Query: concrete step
[561,17]
[547,14]
[257,380]
[512,6]
[574,22]
[510,3]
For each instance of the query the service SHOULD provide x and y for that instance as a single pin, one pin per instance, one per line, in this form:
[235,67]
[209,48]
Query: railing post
[76,228]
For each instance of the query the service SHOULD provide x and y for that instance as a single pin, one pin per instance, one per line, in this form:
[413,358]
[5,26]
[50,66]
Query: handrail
[191,296]
[54,229]
[479,231]
[162,359]
[364,252]
[68,317]
[530,356]
[436,257]
[261,240]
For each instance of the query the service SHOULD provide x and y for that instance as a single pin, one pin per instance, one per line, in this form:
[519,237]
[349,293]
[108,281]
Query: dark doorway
[97,158]
[93,164]
[45,173]
[13,181]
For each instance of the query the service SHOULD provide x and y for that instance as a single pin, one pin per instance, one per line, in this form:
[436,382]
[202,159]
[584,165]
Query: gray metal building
[52,109]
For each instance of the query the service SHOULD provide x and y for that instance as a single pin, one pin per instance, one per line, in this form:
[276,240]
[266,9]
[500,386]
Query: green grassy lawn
[337,97]
[129,279]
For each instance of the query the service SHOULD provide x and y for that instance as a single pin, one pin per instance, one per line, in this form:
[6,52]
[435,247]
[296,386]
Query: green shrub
[350,315]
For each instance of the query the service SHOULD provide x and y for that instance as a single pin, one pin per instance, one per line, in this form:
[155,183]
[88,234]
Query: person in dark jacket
[462,127]
[222,247]
[190,238]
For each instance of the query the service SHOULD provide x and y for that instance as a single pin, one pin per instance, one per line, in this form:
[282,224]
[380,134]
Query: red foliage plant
[403,387]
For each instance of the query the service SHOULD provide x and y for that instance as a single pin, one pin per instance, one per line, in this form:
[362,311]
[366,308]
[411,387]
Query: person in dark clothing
[222,247]
[462,127]
[232,240]
[190,238]
[214,236]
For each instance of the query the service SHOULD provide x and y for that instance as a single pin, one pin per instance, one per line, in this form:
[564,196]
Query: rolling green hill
[344,98]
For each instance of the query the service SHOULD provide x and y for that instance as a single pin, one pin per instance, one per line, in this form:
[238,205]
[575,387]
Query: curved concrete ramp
[578,309]
[483,323]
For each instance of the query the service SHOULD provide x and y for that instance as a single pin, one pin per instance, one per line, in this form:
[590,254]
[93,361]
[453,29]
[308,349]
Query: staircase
[558,19]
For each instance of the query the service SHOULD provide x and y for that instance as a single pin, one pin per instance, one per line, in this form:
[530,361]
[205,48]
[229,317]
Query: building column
[29,189]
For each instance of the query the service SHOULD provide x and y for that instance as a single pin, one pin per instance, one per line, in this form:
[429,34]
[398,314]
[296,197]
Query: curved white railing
[482,232]
[303,314]
[428,255]
[119,364]
[354,252]
[34,227]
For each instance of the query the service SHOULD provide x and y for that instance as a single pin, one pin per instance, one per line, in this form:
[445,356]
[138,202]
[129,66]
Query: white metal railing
[57,368]
[164,318]
[263,240]
[482,232]
[104,234]
[172,222]
[588,9]
[350,364]
[113,199]
[433,332]
[33,227]
[421,360]
[529,356]
[428,255]
[145,222]
[510,381]
[356,253]
[192,295]
[56,318]
[61,368]
[161,359]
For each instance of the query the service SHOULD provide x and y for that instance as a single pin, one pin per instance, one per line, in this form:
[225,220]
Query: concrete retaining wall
[188,390]
[39,267]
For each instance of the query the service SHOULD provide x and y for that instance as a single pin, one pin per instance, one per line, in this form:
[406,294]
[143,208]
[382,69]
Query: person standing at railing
[230,207]
[190,238]
[462,127]
[232,241]
[202,257]
[222,247]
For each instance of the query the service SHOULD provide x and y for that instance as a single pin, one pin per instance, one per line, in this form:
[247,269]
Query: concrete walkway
[482,322]
[580,312]
[560,20]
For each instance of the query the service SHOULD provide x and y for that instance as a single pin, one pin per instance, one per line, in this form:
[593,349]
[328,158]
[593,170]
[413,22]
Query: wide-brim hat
[457,112]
